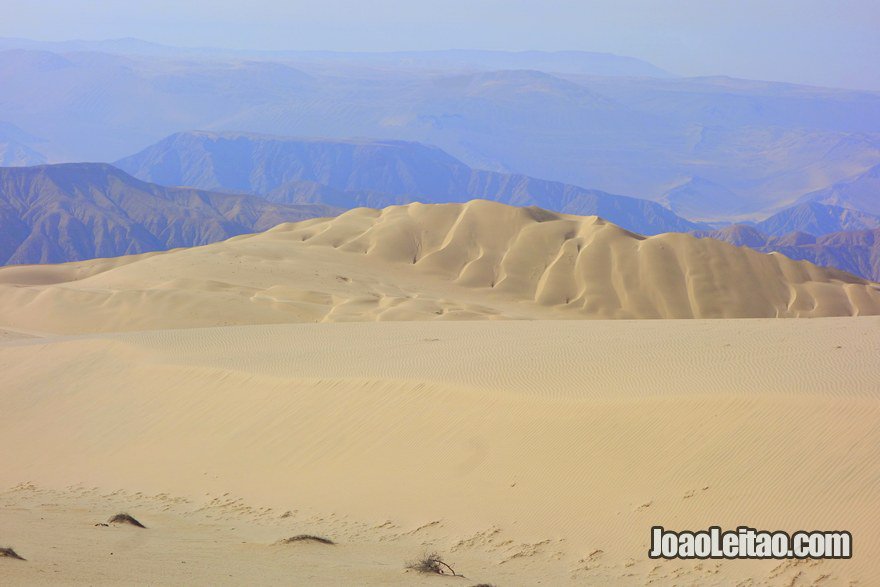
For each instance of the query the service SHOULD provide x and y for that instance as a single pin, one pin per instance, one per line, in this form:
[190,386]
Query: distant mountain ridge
[75,211]
[766,143]
[699,198]
[372,173]
[861,192]
[16,147]
[14,154]
[574,62]
[854,251]
[817,219]
[68,212]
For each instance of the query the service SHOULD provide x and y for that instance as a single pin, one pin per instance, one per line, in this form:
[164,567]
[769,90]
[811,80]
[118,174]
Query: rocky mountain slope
[856,251]
[861,192]
[352,173]
[817,219]
[68,212]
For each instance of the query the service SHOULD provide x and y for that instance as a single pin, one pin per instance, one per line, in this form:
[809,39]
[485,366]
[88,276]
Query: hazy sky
[828,42]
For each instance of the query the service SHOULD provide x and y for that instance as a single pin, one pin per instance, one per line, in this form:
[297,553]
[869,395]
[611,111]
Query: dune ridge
[479,260]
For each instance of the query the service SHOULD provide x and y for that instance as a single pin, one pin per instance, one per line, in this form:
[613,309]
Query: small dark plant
[307,538]
[9,553]
[125,519]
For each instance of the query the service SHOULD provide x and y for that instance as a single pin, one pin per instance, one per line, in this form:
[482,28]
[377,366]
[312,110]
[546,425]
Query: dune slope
[418,262]
[526,452]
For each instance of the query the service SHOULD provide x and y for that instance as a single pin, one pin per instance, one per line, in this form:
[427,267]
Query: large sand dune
[418,262]
[525,452]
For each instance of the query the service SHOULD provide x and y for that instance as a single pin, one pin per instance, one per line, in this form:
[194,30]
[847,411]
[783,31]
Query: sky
[824,42]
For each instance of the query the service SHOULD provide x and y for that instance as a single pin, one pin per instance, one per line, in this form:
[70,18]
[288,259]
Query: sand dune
[525,452]
[428,262]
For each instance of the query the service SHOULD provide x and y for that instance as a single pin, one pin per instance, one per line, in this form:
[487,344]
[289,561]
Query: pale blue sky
[828,42]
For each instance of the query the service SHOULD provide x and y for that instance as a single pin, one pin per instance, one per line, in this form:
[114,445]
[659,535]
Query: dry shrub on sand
[9,553]
[432,563]
[307,538]
[125,519]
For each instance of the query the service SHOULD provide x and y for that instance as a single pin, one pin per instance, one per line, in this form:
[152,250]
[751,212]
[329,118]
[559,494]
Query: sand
[480,260]
[525,452]
[423,378]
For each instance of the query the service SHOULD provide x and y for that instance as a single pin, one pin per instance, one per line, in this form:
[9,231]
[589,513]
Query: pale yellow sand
[428,262]
[524,451]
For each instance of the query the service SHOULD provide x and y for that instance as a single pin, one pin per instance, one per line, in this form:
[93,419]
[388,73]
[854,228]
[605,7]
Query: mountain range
[827,235]
[861,192]
[196,187]
[715,148]
[352,173]
[67,212]
[570,62]
[817,219]
[855,251]
[781,166]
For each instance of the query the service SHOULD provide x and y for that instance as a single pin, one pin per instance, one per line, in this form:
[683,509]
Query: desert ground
[339,378]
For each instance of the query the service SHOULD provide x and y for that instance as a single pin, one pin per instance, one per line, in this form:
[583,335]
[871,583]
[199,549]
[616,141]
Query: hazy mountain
[14,154]
[741,235]
[90,105]
[124,46]
[861,192]
[57,213]
[817,219]
[767,143]
[699,198]
[857,252]
[573,62]
[16,147]
[827,235]
[353,173]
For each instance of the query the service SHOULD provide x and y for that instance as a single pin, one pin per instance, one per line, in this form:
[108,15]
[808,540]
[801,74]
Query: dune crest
[429,261]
